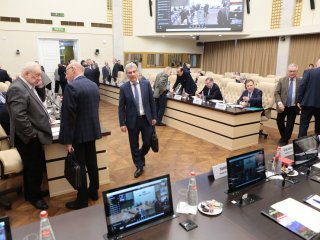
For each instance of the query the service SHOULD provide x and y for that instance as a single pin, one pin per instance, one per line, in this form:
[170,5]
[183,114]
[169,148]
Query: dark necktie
[209,91]
[290,93]
[136,96]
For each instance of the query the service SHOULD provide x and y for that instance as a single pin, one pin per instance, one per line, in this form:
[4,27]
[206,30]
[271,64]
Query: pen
[317,201]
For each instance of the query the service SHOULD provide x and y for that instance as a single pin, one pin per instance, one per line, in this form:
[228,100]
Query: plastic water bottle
[277,162]
[46,232]
[192,190]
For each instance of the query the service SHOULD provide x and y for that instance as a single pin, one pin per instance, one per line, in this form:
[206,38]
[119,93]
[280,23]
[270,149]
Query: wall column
[117,27]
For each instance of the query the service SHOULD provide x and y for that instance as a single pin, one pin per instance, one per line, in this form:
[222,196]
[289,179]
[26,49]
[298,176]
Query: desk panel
[109,93]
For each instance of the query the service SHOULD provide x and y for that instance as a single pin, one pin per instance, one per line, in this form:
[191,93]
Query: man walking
[137,114]
[285,95]
[79,129]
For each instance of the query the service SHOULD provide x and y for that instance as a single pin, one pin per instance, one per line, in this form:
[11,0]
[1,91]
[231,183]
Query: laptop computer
[134,207]
[305,149]
[245,170]
[5,230]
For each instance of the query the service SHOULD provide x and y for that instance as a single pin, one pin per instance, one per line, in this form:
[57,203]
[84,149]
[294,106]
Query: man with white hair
[80,128]
[29,130]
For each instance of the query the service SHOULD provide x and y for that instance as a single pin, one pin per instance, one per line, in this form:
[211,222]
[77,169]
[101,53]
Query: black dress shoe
[75,205]
[39,204]
[138,172]
[93,195]
[161,124]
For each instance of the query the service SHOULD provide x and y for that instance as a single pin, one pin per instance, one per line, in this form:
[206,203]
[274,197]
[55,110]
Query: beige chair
[201,79]
[223,84]
[267,102]
[233,91]
[10,162]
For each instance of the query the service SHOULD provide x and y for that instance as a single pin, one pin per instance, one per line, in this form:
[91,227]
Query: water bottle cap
[43,214]
[193,173]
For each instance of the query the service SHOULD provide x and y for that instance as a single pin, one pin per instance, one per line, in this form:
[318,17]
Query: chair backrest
[4,140]
[223,84]
[233,91]
[3,87]
[267,94]
[202,79]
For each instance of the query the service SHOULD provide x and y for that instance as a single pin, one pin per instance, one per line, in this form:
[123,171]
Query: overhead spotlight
[18,52]
[97,52]
[197,37]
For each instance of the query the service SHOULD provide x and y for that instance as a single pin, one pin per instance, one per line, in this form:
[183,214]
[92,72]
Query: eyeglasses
[37,75]
[68,68]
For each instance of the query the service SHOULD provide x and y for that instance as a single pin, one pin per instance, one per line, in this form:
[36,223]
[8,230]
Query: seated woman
[251,97]
[211,90]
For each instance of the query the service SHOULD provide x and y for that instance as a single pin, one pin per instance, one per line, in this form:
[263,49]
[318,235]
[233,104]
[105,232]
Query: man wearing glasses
[29,130]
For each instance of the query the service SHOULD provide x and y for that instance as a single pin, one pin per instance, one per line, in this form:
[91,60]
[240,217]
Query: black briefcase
[72,170]
[154,140]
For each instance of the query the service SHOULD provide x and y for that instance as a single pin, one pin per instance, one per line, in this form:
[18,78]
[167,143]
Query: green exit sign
[58,29]
[57,14]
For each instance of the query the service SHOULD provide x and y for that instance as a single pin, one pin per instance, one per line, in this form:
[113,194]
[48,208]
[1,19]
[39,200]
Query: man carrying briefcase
[79,129]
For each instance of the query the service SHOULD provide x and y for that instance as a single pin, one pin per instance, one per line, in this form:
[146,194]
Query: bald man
[30,129]
[79,129]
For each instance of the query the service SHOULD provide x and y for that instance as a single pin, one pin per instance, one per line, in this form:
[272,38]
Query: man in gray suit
[29,130]
[161,88]
[285,94]
[137,114]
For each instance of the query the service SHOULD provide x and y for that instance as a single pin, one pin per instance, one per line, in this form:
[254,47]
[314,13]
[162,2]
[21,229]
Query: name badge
[221,106]
[197,101]
[286,150]
[177,97]
[220,170]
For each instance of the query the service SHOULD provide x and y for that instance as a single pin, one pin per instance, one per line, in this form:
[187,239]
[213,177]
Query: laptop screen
[5,230]
[137,204]
[245,170]
[305,149]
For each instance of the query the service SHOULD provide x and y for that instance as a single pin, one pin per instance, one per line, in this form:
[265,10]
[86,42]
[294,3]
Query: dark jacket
[187,83]
[255,100]
[308,93]
[215,92]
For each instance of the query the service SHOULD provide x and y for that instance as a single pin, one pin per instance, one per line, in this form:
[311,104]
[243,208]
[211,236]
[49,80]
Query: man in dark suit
[120,66]
[137,114]
[185,80]
[29,130]
[4,76]
[115,70]
[79,129]
[223,17]
[284,94]
[308,100]
[106,75]
[211,90]
[251,97]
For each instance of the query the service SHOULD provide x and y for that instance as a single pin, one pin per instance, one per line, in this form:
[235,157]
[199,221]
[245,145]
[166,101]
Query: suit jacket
[128,111]
[115,70]
[256,98]
[281,92]
[4,76]
[27,115]
[308,93]
[105,73]
[215,92]
[80,112]
[160,84]
[187,83]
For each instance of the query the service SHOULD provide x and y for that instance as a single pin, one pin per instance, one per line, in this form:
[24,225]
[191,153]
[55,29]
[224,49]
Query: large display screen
[199,15]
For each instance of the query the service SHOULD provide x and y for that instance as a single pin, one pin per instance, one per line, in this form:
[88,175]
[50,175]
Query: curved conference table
[233,128]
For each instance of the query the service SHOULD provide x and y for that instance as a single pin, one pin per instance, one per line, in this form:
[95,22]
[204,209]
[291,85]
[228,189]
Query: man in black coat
[308,100]
[186,81]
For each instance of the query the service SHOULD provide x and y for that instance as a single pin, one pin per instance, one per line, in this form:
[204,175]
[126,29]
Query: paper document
[299,212]
[313,200]
[185,208]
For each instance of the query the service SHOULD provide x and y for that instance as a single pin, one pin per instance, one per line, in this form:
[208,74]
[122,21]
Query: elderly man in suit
[79,129]
[160,87]
[251,97]
[137,114]
[29,130]
[285,94]
[211,90]
[308,100]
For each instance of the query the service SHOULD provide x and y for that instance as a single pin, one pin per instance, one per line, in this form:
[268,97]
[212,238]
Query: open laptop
[5,230]
[245,170]
[137,206]
[305,149]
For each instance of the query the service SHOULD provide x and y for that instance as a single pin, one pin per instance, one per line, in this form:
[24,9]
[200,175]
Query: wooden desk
[241,223]
[232,128]
[109,93]
[55,154]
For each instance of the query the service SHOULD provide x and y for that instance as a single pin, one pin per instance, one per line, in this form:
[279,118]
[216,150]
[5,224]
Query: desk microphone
[52,101]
